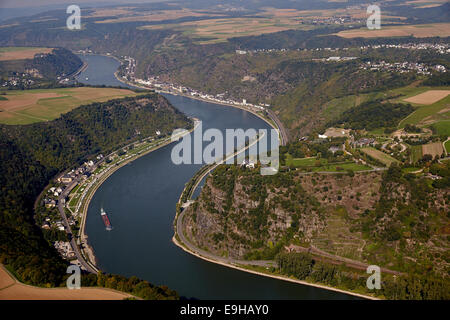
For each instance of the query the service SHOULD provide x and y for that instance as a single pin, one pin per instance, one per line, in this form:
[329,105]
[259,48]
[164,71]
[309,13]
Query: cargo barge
[106,221]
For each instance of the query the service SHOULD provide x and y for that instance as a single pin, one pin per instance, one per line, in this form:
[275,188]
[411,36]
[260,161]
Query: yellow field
[219,30]
[418,31]
[429,97]
[29,106]
[11,289]
[434,149]
[20,53]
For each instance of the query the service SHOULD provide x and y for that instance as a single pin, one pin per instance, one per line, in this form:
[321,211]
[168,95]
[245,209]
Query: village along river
[140,200]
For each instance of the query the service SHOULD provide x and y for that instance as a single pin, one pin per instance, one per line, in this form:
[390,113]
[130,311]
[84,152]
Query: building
[65,179]
[335,149]
[364,142]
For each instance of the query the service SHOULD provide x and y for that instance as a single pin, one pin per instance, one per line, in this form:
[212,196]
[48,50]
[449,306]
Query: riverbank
[88,251]
[182,242]
[273,276]
[270,121]
[241,265]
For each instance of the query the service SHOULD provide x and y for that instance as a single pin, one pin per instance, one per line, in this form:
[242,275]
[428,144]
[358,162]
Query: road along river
[140,200]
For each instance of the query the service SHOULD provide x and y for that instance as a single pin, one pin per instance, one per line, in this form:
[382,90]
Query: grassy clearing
[416,153]
[410,170]
[442,127]
[304,162]
[380,156]
[447,146]
[30,106]
[322,165]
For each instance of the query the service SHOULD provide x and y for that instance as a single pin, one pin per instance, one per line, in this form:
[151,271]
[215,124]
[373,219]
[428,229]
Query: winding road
[73,243]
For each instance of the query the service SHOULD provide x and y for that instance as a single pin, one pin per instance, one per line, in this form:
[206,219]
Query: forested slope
[31,155]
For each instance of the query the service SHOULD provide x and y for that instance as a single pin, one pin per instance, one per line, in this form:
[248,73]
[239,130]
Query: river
[140,200]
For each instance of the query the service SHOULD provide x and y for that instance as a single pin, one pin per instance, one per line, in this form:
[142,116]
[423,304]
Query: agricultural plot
[416,153]
[30,106]
[322,165]
[429,97]
[433,149]
[21,53]
[11,289]
[379,155]
[442,128]
[304,162]
[418,31]
[427,114]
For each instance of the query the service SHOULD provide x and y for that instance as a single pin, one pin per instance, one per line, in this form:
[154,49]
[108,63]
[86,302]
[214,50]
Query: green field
[416,153]
[30,106]
[442,127]
[410,170]
[304,162]
[312,164]
[447,146]
[9,49]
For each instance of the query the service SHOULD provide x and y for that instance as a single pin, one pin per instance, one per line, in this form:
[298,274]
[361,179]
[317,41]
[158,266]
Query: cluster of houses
[364,142]
[219,98]
[130,67]
[402,67]
[51,200]
[65,249]
[441,48]
[340,133]
[333,20]
[18,80]
[336,59]
[248,164]
[82,172]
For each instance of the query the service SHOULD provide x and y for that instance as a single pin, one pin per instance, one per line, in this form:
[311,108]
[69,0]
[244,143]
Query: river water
[140,200]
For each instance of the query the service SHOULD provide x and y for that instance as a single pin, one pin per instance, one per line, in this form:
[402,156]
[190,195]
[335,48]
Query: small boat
[106,220]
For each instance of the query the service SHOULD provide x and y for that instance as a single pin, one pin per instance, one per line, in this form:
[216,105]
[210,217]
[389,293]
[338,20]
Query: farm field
[425,114]
[416,153]
[418,31]
[442,127]
[428,97]
[380,156]
[304,162]
[434,149]
[30,106]
[220,30]
[312,163]
[20,53]
[11,289]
